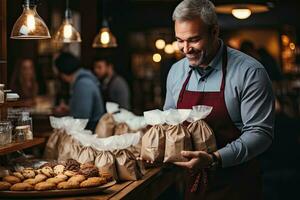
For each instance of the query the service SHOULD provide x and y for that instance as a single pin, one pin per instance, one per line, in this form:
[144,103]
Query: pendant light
[242,10]
[67,33]
[105,38]
[30,25]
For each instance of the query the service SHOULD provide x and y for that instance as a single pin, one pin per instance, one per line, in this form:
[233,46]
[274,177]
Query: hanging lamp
[30,25]
[67,33]
[242,10]
[105,38]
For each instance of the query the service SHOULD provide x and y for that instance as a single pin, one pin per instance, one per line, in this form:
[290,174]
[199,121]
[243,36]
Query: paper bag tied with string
[106,124]
[51,149]
[121,128]
[87,154]
[203,138]
[105,161]
[127,167]
[177,137]
[153,141]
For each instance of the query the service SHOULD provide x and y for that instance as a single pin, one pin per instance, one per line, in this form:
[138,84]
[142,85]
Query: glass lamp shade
[67,33]
[105,39]
[30,25]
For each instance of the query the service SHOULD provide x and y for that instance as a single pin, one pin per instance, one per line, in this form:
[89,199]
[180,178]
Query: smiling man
[239,90]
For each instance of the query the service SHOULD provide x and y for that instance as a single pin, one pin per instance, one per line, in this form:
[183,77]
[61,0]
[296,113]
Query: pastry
[62,176]
[55,180]
[90,172]
[4,185]
[107,176]
[40,177]
[68,185]
[93,182]
[21,187]
[49,164]
[38,171]
[12,179]
[70,173]
[28,173]
[72,165]
[44,186]
[19,175]
[48,171]
[31,181]
[59,169]
[78,178]
[87,165]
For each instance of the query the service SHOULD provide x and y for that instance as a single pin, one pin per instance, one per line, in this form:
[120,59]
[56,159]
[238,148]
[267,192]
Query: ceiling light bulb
[105,37]
[241,13]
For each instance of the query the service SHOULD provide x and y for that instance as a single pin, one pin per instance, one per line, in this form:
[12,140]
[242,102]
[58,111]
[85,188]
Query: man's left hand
[197,160]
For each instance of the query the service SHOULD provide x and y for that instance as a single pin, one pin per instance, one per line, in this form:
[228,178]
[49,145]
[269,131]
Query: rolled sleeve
[257,113]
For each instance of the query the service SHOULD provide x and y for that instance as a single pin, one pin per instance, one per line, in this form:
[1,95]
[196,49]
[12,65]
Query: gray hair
[189,9]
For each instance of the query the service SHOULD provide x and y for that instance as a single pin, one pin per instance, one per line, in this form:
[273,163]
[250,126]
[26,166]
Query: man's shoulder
[242,62]
[179,67]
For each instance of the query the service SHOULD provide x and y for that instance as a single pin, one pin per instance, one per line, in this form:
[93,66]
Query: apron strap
[224,67]
[184,85]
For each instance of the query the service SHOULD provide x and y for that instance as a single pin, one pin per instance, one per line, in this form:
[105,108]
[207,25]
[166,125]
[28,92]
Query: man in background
[86,100]
[114,87]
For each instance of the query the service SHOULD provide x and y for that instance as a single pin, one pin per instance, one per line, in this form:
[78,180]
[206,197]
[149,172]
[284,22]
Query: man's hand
[197,160]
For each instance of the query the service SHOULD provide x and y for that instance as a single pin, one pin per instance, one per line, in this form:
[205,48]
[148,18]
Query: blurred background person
[85,97]
[114,87]
[24,81]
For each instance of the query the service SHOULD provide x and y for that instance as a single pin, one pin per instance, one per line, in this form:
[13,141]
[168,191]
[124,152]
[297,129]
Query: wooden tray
[55,193]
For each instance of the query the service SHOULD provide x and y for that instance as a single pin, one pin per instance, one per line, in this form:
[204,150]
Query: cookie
[31,181]
[72,165]
[107,176]
[59,169]
[78,178]
[21,187]
[69,173]
[87,165]
[19,175]
[28,173]
[93,182]
[68,185]
[55,180]
[12,179]
[44,186]
[40,177]
[4,185]
[62,176]
[38,171]
[48,171]
[90,172]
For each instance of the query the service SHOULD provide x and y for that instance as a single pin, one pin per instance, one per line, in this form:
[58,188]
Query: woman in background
[24,81]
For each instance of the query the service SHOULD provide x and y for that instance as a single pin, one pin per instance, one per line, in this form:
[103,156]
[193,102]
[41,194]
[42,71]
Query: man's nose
[186,47]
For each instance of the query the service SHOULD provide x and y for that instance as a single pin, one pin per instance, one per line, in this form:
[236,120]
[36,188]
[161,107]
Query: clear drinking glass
[5,133]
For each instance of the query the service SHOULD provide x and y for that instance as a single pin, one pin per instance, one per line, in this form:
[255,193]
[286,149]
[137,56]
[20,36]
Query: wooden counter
[153,184]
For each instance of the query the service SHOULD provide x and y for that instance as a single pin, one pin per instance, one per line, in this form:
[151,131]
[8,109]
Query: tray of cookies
[55,179]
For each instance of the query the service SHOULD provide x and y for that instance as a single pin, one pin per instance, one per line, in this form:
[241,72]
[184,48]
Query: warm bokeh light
[67,31]
[175,46]
[241,13]
[285,40]
[169,49]
[160,44]
[292,46]
[156,57]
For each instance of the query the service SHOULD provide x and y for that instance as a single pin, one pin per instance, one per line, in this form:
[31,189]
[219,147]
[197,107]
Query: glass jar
[5,133]
[2,94]
[25,124]
[20,133]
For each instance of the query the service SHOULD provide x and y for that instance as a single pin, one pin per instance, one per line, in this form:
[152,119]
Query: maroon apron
[240,182]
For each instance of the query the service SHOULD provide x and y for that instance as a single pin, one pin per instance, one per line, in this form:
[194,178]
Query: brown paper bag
[106,163]
[87,154]
[51,149]
[105,127]
[75,149]
[177,140]
[203,138]
[153,144]
[121,128]
[64,147]
[127,166]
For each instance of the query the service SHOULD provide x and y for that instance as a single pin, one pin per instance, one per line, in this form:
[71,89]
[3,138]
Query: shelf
[21,145]
[8,104]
